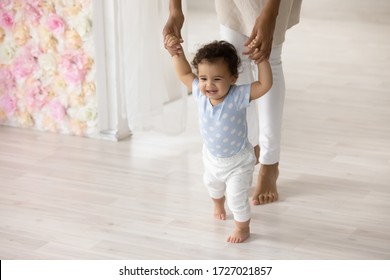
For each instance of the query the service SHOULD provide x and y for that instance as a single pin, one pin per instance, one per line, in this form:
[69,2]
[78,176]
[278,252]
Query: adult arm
[174,23]
[260,41]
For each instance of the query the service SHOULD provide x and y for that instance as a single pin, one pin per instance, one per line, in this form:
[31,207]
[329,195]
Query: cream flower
[49,124]
[89,88]
[59,83]
[76,100]
[73,39]
[73,9]
[2,35]
[46,40]
[25,119]
[47,6]
[17,4]
[48,43]
[21,34]
[78,127]
[3,116]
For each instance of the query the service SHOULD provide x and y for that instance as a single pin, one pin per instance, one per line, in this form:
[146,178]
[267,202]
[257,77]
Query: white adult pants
[264,116]
[232,177]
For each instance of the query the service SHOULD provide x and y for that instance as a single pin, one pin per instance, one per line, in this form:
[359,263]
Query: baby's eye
[203,79]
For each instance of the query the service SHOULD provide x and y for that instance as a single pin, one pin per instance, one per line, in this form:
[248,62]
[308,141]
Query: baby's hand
[172,44]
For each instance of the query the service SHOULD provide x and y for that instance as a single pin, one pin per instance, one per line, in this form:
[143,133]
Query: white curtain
[153,98]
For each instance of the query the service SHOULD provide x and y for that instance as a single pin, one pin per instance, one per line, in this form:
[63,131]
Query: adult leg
[270,109]
[268,117]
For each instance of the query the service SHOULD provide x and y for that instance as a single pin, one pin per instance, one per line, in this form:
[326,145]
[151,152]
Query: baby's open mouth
[211,92]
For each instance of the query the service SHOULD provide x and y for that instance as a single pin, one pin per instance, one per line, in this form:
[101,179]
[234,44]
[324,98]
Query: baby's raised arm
[264,83]
[180,62]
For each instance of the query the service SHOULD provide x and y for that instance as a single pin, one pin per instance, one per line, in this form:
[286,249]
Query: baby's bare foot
[238,236]
[240,233]
[219,208]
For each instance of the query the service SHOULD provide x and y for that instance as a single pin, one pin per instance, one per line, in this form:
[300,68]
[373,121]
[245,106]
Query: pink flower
[5,3]
[73,67]
[7,81]
[57,110]
[34,3]
[36,96]
[8,104]
[33,14]
[6,20]
[24,65]
[56,24]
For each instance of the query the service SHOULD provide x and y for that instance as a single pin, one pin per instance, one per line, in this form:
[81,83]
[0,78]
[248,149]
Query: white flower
[86,113]
[7,53]
[83,26]
[47,63]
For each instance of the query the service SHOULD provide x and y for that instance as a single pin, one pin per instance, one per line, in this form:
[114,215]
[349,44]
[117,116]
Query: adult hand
[173,26]
[259,44]
[170,42]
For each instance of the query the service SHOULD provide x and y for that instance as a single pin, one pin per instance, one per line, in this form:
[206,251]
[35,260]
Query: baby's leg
[219,208]
[237,200]
[216,190]
[240,233]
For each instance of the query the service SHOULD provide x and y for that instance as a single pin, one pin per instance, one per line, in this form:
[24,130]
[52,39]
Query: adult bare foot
[240,233]
[219,208]
[266,190]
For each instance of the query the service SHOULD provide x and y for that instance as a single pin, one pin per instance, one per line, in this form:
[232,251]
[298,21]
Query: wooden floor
[64,197]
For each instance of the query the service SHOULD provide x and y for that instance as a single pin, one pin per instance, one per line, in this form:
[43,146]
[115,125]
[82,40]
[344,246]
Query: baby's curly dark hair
[217,50]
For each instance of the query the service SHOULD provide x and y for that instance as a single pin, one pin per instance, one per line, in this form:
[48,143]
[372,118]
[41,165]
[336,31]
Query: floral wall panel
[47,69]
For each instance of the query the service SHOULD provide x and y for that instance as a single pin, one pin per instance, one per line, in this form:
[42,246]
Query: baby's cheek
[202,89]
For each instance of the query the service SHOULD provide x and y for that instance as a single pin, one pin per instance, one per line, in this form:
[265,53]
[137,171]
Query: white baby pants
[231,176]
[264,116]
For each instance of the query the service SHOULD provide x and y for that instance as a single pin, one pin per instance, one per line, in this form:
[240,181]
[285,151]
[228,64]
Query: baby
[228,157]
